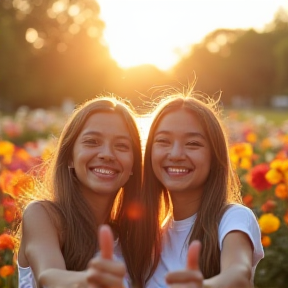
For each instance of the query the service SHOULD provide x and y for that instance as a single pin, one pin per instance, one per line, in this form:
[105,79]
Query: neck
[101,206]
[183,206]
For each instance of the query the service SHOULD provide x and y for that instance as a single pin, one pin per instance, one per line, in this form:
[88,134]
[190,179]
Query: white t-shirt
[176,235]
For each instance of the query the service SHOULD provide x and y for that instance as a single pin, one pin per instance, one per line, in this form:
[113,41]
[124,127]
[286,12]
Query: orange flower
[6,242]
[266,143]
[251,137]
[266,241]
[286,217]
[269,223]
[6,270]
[248,200]
[281,191]
[13,183]
[9,215]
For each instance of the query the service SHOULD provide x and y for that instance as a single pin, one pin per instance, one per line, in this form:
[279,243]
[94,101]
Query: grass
[277,117]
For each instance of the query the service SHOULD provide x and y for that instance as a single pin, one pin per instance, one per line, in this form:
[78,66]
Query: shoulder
[33,209]
[238,211]
[241,218]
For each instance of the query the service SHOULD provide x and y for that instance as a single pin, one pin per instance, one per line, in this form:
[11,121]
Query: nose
[106,153]
[177,152]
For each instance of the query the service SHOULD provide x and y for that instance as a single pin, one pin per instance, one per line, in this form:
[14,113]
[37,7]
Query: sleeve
[241,218]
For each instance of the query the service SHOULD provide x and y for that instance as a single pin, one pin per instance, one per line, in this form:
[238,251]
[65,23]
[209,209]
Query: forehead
[180,120]
[106,122]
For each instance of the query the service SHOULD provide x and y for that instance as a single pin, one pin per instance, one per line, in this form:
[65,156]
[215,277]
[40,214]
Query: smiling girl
[189,181]
[92,178]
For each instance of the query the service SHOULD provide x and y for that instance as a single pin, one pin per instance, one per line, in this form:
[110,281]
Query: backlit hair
[66,206]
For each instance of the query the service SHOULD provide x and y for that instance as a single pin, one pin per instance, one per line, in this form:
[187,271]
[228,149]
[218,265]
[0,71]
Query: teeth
[104,171]
[177,170]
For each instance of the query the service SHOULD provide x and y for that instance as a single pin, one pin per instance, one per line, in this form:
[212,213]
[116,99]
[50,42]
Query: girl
[189,182]
[92,178]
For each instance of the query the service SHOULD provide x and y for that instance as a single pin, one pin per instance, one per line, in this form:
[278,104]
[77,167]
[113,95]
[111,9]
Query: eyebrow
[188,134]
[95,133]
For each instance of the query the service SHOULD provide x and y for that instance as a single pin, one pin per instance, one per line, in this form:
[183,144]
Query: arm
[40,247]
[236,262]
[236,265]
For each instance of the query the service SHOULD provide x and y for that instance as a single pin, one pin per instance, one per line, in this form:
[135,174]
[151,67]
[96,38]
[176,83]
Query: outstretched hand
[103,270]
[191,277]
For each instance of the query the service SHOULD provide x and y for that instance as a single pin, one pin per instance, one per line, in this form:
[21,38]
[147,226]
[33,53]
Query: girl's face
[102,154]
[181,154]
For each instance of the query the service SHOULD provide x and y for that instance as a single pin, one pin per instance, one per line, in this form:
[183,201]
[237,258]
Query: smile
[173,170]
[104,171]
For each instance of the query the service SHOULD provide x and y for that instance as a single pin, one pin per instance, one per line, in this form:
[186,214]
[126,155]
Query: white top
[176,235]
[26,278]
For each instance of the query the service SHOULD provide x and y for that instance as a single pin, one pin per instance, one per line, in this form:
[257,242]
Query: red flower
[258,180]
[268,206]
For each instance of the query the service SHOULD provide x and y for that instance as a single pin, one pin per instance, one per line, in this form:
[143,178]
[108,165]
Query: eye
[194,144]
[122,146]
[162,140]
[91,141]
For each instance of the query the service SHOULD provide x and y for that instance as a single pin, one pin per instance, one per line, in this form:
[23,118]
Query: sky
[160,32]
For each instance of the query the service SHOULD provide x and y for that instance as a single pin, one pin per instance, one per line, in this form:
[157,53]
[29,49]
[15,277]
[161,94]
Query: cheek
[128,162]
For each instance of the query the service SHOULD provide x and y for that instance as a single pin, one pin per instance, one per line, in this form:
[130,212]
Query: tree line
[54,50]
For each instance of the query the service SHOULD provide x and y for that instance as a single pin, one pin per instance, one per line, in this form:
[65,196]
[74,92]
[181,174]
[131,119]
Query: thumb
[193,255]
[106,242]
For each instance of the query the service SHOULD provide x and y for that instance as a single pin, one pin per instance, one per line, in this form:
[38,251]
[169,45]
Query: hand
[191,277]
[103,271]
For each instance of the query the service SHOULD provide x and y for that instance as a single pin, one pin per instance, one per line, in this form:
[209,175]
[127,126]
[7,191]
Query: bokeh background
[57,53]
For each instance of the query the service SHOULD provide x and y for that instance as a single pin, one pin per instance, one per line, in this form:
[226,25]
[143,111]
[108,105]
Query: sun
[161,32]
[144,32]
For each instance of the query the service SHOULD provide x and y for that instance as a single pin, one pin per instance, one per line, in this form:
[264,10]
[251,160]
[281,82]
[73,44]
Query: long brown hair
[70,212]
[222,186]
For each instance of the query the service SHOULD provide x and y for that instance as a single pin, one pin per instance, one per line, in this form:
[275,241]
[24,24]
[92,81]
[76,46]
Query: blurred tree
[52,50]
[209,60]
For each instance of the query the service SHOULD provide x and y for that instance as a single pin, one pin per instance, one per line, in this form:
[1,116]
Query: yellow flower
[240,155]
[245,163]
[276,164]
[266,241]
[6,150]
[273,176]
[243,149]
[269,223]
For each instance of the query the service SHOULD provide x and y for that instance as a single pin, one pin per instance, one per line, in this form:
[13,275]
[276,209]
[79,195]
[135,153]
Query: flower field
[259,151]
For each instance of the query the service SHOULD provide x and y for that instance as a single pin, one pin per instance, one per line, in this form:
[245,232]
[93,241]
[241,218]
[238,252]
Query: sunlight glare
[160,32]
